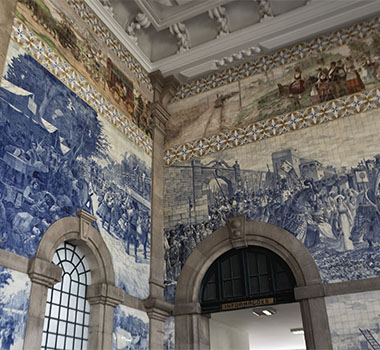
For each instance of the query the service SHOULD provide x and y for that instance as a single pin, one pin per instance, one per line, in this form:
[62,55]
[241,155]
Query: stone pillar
[158,310]
[192,330]
[43,275]
[103,299]
[7,13]
[314,316]
[157,260]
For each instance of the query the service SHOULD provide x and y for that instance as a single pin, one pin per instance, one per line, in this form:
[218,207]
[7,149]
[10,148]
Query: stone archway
[102,294]
[192,327]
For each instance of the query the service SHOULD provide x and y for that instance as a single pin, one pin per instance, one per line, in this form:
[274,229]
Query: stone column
[314,316]
[157,256]
[157,308]
[192,330]
[7,13]
[103,299]
[43,275]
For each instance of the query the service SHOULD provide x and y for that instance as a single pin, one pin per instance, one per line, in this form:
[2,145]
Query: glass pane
[70,329]
[51,341]
[82,291]
[80,317]
[69,343]
[74,288]
[65,299]
[227,285]
[63,314]
[81,303]
[236,266]
[71,316]
[66,283]
[62,328]
[78,331]
[283,281]
[262,262]
[210,292]
[238,288]
[43,339]
[226,269]
[78,344]
[54,311]
[60,342]
[252,264]
[53,326]
[73,302]
[264,284]
[56,297]
[254,285]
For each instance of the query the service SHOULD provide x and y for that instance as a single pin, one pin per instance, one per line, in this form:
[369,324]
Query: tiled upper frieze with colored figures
[309,74]
[74,33]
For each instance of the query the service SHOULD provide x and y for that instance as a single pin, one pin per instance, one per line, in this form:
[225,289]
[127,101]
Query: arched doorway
[249,293]
[192,327]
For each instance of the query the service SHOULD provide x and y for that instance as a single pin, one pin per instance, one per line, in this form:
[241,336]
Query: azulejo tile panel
[41,52]
[279,58]
[311,116]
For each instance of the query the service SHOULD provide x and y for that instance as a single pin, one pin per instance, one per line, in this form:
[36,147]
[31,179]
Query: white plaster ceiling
[188,38]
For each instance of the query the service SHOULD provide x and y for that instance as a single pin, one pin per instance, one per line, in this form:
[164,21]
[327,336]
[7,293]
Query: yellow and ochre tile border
[41,52]
[311,116]
[282,57]
[110,40]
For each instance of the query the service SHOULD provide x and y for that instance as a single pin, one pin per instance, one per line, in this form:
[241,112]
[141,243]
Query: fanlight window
[67,310]
[246,274]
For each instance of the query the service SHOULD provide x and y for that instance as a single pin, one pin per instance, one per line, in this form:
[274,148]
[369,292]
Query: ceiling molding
[304,22]
[119,32]
[300,24]
[178,13]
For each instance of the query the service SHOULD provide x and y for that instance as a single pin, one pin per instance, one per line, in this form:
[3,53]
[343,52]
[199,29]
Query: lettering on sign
[248,303]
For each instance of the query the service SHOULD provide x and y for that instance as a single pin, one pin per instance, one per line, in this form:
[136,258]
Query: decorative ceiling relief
[138,22]
[220,15]
[182,35]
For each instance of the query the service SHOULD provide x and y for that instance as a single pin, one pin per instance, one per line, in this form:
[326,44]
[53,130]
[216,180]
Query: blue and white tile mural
[323,186]
[131,329]
[58,156]
[354,321]
[14,302]
[169,333]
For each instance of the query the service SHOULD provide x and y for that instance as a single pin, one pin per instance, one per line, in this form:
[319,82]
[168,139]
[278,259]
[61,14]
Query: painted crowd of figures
[338,79]
[50,145]
[342,214]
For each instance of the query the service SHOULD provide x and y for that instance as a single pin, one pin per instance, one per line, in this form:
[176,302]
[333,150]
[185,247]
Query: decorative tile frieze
[279,58]
[98,27]
[41,52]
[311,116]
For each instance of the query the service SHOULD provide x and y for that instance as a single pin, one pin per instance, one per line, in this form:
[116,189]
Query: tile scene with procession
[57,156]
[324,191]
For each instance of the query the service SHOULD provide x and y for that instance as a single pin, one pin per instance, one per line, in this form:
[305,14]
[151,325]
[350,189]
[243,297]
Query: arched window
[246,274]
[67,310]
